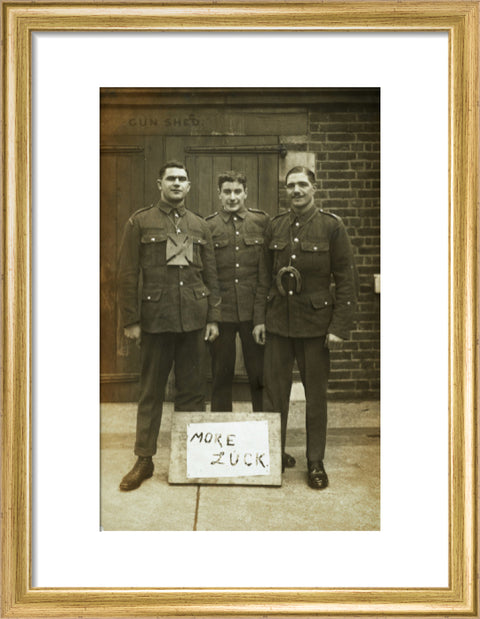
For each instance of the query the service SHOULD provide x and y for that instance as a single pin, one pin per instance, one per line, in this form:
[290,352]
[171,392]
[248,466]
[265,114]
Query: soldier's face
[300,190]
[174,185]
[232,196]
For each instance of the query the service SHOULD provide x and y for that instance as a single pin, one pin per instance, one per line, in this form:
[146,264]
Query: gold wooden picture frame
[460,20]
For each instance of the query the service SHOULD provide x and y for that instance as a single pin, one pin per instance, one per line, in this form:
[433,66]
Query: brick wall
[345,138]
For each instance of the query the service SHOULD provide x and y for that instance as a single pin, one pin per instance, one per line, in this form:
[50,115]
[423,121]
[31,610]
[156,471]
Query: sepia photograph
[240,309]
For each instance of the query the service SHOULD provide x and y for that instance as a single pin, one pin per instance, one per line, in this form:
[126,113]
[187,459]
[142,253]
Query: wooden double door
[128,173]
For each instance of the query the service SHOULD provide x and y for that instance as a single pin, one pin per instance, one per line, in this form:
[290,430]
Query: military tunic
[172,303]
[173,298]
[238,239]
[317,245]
[304,252]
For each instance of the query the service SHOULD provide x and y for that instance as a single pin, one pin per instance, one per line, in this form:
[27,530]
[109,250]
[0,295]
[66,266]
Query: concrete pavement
[350,503]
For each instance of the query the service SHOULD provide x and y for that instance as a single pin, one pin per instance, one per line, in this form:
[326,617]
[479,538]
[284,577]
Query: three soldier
[270,281]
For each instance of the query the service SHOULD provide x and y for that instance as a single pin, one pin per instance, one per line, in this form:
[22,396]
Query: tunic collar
[168,208]
[226,215]
[304,216]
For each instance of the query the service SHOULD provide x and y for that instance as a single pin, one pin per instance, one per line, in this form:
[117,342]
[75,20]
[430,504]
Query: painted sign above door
[203,121]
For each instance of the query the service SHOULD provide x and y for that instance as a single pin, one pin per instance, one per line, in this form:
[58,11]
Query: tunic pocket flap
[321,300]
[277,245]
[253,240]
[217,243]
[314,245]
[199,241]
[153,236]
[201,293]
[151,295]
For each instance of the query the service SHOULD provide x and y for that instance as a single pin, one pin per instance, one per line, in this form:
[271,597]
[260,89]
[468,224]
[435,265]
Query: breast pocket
[220,242]
[153,247]
[253,245]
[198,245]
[315,255]
[278,247]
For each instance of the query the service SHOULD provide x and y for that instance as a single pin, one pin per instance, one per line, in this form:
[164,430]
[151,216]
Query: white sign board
[228,449]
[240,448]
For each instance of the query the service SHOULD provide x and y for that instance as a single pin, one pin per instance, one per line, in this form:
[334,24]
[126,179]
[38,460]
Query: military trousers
[313,360]
[223,352]
[159,351]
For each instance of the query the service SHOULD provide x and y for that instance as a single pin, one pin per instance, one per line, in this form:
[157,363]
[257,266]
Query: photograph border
[460,19]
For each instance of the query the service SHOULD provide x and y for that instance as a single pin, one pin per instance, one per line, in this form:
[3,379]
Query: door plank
[122,193]
[107,261]
[203,186]
[267,179]
[221,163]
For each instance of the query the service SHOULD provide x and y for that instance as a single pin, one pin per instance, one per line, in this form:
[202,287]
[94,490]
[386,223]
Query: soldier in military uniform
[237,234]
[304,319]
[170,304]
[238,238]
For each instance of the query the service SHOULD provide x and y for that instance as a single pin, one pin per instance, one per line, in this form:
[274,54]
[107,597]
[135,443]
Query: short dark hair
[300,169]
[172,164]
[232,176]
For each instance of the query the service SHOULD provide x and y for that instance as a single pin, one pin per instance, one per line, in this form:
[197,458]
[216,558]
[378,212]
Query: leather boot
[142,469]
[317,476]
[288,461]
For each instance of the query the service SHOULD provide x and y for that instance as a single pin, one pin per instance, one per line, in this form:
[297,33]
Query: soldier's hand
[133,332]
[333,342]
[211,332]
[259,334]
